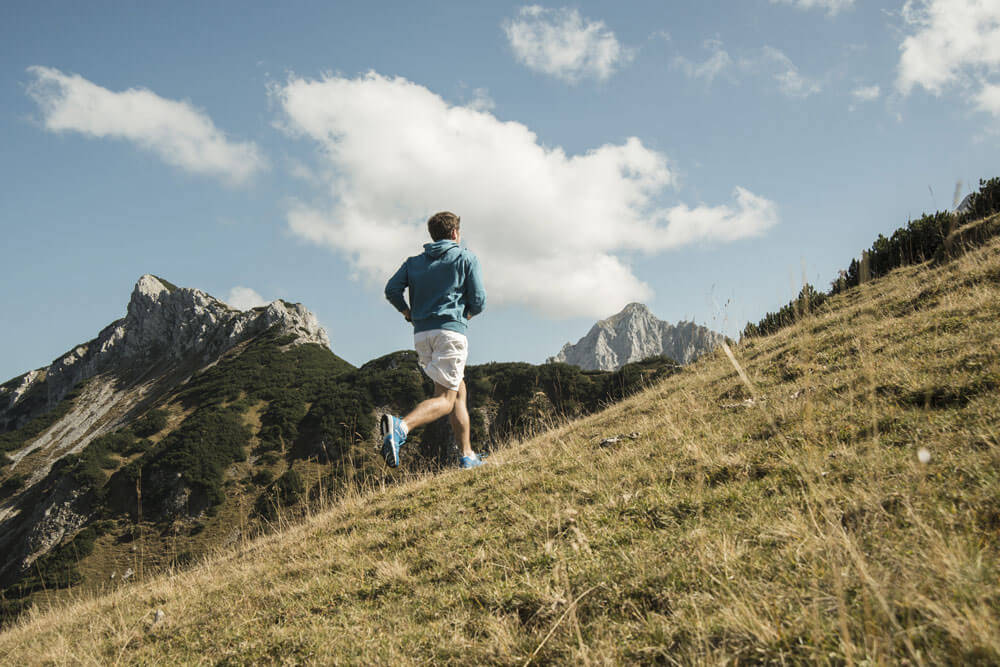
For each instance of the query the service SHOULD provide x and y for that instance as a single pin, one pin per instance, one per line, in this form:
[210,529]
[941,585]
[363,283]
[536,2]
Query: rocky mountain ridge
[49,414]
[635,334]
[164,324]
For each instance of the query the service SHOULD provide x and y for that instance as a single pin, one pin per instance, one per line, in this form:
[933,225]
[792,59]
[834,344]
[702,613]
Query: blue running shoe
[393,437]
[473,461]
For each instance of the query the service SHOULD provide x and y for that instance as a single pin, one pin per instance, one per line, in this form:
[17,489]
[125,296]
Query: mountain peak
[169,326]
[634,334]
[634,309]
[150,285]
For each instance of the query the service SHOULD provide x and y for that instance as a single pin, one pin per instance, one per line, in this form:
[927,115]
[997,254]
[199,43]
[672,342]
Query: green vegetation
[921,240]
[88,467]
[264,371]
[286,491]
[12,485]
[280,423]
[569,392]
[186,467]
[33,401]
[57,569]
[150,423]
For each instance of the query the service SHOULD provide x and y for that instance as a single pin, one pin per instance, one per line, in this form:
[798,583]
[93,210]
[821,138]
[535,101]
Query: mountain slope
[787,516]
[635,334]
[192,425]
[68,423]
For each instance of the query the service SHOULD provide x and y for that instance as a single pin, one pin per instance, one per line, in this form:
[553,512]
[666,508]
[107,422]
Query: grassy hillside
[783,513]
[246,444]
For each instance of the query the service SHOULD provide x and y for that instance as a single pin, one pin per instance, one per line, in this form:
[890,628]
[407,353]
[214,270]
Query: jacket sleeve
[475,291]
[394,288]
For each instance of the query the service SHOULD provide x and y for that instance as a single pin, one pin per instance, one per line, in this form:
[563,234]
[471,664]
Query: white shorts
[442,355]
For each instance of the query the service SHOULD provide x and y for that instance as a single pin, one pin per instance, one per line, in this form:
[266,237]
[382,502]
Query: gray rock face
[966,204]
[173,324]
[165,325]
[635,334]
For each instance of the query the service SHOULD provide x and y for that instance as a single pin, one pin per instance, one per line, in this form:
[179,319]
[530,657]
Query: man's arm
[394,291]
[475,291]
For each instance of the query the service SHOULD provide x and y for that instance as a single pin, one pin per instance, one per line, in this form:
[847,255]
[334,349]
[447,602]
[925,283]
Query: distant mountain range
[189,424]
[636,334]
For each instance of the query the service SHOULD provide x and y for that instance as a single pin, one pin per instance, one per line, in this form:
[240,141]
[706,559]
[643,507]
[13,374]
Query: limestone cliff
[635,334]
[164,324]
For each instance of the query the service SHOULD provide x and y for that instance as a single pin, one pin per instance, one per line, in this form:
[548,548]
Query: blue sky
[700,157]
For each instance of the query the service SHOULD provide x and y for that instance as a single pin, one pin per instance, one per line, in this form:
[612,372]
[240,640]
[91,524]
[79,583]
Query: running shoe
[473,461]
[393,437]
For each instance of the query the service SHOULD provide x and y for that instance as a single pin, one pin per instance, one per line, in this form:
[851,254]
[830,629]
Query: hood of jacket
[437,249]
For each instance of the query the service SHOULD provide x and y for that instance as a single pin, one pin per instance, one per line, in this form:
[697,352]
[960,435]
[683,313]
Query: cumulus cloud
[563,44]
[552,230]
[953,42]
[708,69]
[245,298]
[177,132]
[832,7]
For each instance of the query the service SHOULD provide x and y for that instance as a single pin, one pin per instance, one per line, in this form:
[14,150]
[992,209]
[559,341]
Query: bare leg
[433,408]
[460,424]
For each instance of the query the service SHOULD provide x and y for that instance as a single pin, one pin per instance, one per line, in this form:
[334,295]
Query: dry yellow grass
[780,517]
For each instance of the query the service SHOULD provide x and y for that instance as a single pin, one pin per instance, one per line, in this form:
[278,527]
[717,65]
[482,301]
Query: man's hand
[406,315]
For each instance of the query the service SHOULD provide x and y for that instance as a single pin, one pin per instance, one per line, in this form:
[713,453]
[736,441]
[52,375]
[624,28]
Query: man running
[446,290]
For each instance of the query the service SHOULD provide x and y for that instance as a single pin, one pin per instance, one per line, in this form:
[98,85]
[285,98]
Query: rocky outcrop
[635,334]
[164,325]
[167,324]
[966,204]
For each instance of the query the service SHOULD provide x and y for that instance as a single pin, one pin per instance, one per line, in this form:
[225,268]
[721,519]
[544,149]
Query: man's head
[443,225]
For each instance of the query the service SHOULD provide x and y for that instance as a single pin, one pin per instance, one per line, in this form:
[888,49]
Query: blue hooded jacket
[446,287]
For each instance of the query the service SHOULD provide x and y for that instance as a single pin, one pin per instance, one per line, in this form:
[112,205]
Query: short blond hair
[442,224]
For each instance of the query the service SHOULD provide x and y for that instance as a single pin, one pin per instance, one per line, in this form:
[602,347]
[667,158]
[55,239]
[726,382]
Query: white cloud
[561,43]
[954,42]
[832,7]
[866,93]
[717,63]
[177,132]
[245,298]
[481,100]
[790,81]
[549,228]
[988,99]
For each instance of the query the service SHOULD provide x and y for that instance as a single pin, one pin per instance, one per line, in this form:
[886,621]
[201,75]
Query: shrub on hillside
[806,302]
[33,401]
[56,569]
[150,423]
[340,417]
[12,484]
[88,467]
[279,424]
[285,492]
[921,240]
[193,457]
[264,371]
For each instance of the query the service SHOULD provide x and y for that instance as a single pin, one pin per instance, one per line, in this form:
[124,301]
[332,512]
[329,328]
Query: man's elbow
[474,308]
